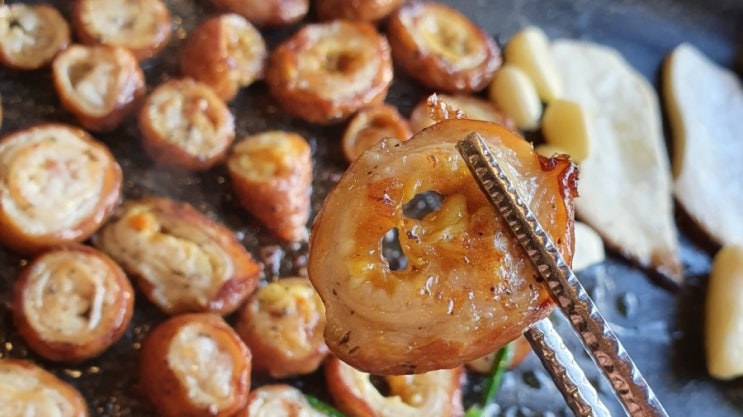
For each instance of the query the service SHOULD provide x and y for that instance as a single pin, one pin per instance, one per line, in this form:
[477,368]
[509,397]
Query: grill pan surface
[660,326]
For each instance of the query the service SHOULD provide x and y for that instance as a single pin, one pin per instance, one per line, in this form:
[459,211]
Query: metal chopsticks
[599,340]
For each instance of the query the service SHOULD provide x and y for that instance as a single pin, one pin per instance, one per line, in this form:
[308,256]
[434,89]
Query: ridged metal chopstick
[607,352]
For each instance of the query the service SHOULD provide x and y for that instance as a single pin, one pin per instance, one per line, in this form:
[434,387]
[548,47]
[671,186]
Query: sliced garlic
[724,318]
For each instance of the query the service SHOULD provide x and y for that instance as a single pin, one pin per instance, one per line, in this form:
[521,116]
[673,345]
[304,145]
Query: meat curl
[468,287]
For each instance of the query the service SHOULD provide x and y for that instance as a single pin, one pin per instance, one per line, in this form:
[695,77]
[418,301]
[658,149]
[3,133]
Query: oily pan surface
[662,329]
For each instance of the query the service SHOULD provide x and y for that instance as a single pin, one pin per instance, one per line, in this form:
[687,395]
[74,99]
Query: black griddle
[661,326]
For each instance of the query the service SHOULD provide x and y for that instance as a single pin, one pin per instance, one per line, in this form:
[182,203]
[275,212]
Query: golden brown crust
[442,48]
[369,126]
[72,303]
[195,365]
[282,323]
[57,186]
[34,391]
[467,288]
[183,261]
[366,10]
[185,124]
[267,12]
[100,85]
[271,174]
[142,26]
[458,105]
[328,71]
[226,53]
[433,394]
[31,35]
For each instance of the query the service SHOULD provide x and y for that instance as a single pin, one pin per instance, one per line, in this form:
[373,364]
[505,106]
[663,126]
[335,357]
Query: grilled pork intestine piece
[99,85]
[226,53]
[185,124]
[433,394]
[625,182]
[328,71]
[278,400]
[31,35]
[28,390]
[369,126]
[72,303]
[271,174]
[282,323]
[57,185]
[705,104]
[471,107]
[183,261]
[442,48]
[468,287]
[195,365]
[367,10]
[142,26]
[267,12]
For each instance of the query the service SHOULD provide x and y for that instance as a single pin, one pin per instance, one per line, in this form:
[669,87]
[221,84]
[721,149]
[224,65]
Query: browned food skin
[468,287]
[166,386]
[145,33]
[366,10]
[369,126]
[200,137]
[47,391]
[226,53]
[267,12]
[56,144]
[271,175]
[278,400]
[50,35]
[442,106]
[45,302]
[328,71]
[183,261]
[76,73]
[442,48]
[282,323]
[435,394]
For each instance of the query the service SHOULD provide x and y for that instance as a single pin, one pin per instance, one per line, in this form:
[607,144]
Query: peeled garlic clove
[513,92]
[565,125]
[529,50]
[724,318]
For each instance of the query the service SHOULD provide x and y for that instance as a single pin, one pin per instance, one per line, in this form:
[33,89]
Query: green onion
[323,407]
[493,382]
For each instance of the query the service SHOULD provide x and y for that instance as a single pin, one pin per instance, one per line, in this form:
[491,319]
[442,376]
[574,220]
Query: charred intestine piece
[72,303]
[433,394]
[31,35]
[271,174]
[278,400]
[28,390]
[142,26]
[195,365]
[185,124]
[100,85]
[328,71]
[183,261]
[57,186]
[468,287]
[283,325]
